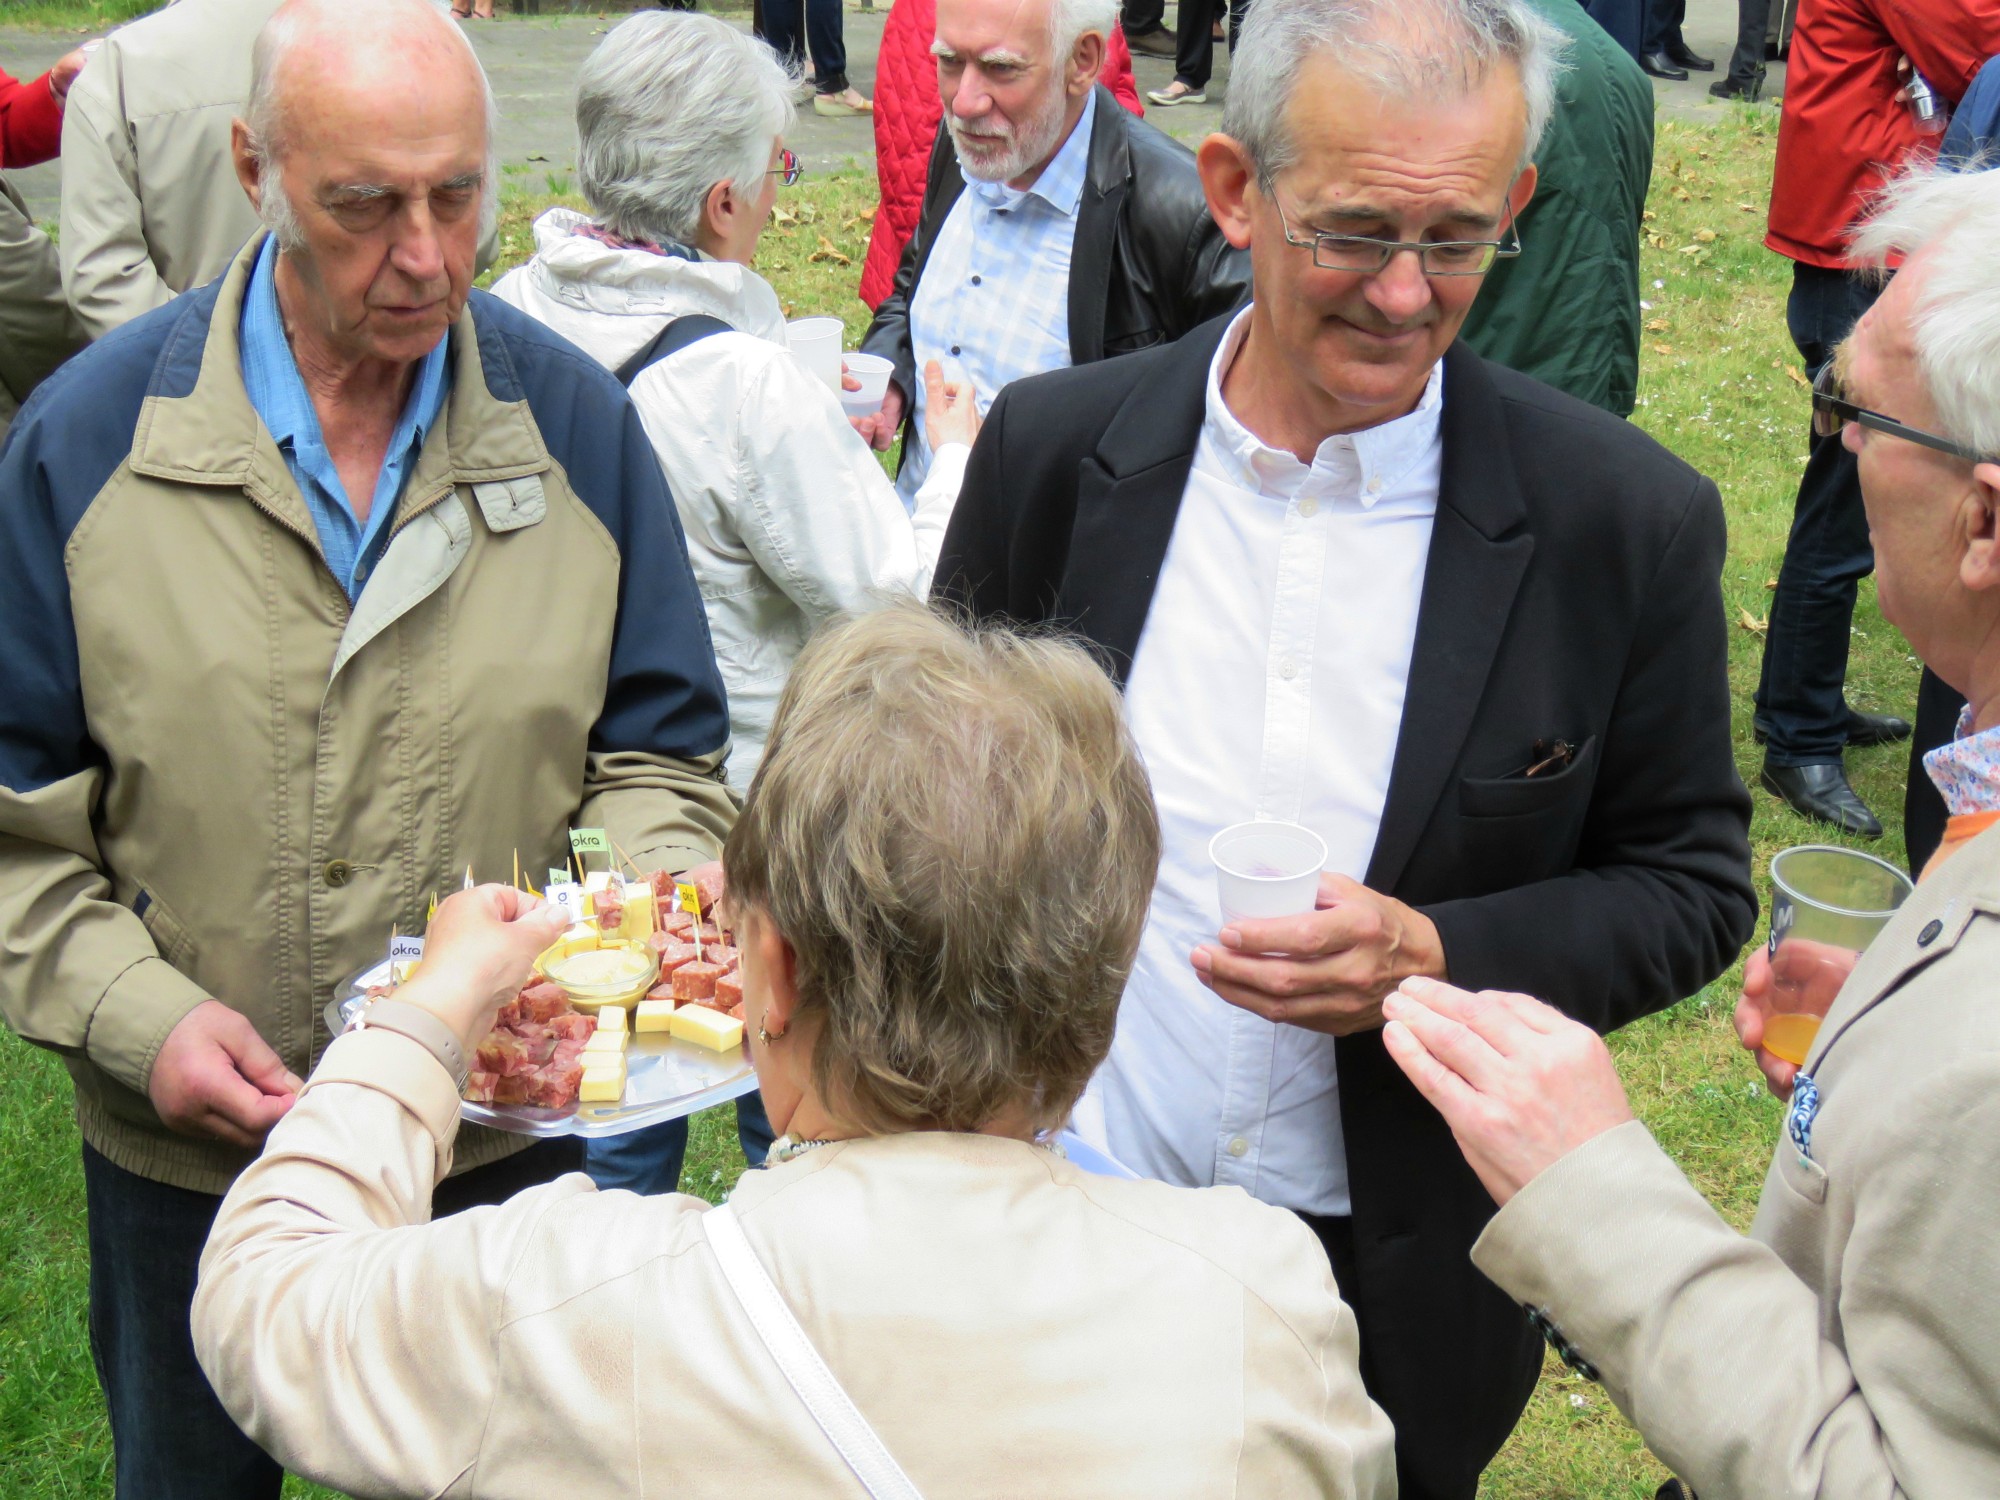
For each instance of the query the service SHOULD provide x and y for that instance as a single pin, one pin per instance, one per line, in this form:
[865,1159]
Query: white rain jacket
[790,519]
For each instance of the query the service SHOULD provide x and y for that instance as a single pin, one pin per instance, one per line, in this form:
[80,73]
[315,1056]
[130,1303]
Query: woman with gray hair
[938,884]
[789,519]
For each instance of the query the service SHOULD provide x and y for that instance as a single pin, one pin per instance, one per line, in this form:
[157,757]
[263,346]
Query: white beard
[1002,158]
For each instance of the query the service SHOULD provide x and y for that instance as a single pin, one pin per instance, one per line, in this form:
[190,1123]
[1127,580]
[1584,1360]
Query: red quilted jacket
[906,121]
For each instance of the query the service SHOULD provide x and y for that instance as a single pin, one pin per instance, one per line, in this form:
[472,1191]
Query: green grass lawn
[1719,385]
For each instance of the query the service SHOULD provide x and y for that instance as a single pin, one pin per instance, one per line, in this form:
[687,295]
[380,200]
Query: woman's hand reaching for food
[477,955]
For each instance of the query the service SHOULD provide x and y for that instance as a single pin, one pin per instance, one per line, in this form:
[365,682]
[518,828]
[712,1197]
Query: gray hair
[1069,20]
[1406,48]
[670,104]
[1951,217]
[264,111]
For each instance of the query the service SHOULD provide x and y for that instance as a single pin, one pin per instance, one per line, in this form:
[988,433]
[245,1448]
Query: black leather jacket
[1149,262]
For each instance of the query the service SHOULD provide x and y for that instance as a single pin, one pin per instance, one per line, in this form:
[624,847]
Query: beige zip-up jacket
[1009,1324]
[1849,1347]
[150,201]
[37,329]
[219,779]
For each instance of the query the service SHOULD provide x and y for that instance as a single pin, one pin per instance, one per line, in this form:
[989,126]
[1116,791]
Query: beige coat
[150,201]
[1850,1346]
[37,331]
[1010,1324]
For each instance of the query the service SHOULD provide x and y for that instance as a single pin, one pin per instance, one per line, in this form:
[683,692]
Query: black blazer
[1572,592]
[1149,263]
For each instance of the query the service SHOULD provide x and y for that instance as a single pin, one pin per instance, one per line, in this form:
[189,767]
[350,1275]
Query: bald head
[375,54]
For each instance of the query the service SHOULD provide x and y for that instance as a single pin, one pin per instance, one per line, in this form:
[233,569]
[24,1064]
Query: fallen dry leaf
[1647,215]
[1683,194]
[827,251]
[1755,624]
[1798,376]
[1658,325]
[1748,208]
[1770,585]
[1705,236]
[1663,348]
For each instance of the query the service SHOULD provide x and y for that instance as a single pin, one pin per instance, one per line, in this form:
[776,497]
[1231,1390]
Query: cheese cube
[604,1085]
[654,1015]
[611,1018]
[605,1040]
[640,909]
[707,1028]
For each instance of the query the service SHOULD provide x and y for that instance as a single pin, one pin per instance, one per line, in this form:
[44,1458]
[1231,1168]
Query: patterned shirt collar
[1967,771]
[1061,182]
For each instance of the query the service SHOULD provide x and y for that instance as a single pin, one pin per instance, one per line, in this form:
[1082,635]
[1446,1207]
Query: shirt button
[1375,486]
[975,281]
[1239,1147]
[338,872]
[1930,933]
[1288,669]
[954,348]
[360,572]
[1309,507]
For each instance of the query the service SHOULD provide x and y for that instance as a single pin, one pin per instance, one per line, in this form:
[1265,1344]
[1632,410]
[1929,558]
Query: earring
[765,1037]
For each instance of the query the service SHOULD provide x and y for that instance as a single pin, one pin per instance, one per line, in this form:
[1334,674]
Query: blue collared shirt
[994,296]
[278,392]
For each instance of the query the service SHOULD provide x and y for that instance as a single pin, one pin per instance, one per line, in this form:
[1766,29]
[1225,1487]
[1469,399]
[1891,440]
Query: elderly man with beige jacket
[1850,1346]
[318,584]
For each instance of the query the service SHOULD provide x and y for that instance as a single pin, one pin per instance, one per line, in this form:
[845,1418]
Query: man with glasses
[1464,628]
[1850,1345]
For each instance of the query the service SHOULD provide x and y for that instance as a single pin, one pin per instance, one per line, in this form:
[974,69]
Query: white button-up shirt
[1268,683]
[994,295]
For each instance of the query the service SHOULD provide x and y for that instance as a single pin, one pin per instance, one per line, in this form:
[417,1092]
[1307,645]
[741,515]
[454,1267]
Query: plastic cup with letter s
[873,371]
[816,344]
[1267,869]
[1827,905]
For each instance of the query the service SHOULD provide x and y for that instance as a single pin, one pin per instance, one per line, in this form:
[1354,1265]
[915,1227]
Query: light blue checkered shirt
[994,296]
[278,392]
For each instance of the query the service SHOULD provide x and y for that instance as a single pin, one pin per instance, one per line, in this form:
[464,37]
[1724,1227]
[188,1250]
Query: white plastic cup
[1267,869]
[873,371]
[816,342]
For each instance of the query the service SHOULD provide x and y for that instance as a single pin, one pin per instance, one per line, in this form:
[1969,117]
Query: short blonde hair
[952,829]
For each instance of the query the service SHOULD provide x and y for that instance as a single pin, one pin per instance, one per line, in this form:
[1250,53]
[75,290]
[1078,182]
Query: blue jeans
[649,1161]
[1800,703]
[796,27]
[170,1437]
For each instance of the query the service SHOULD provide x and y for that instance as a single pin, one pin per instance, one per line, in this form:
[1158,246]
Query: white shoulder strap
[837,1415]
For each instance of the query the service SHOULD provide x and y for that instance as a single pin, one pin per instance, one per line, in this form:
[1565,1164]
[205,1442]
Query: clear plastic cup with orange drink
[1827,905]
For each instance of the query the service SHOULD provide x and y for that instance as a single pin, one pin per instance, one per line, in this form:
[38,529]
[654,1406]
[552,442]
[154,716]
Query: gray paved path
[533,62]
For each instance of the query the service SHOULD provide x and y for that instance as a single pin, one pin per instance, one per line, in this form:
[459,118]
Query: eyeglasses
[1369,256]
[1832,411]
[789,169]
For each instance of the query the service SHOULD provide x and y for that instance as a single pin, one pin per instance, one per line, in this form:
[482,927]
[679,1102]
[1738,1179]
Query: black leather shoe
[1661,66]
[1822,794]
[1746,89]
[1864,731]
[1682,55]
[1158,43]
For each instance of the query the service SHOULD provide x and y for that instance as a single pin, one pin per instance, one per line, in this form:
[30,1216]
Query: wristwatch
[421,1027]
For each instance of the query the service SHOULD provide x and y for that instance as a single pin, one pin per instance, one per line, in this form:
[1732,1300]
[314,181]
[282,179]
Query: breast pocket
[1549,794]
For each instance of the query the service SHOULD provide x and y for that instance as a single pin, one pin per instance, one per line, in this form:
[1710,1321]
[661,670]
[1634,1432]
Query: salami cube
[574,1026]
[729,989]
[709,886]
[662,994]
[673,956]
[543,1002]
[696,981]
[735,1010]
[678,925]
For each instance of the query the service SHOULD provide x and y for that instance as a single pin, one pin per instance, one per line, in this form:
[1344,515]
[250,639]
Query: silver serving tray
[665,1079]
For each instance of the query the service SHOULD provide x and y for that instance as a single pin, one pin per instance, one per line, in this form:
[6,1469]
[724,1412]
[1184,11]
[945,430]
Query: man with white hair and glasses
[1055,230]
[320,584]
[1850,1345]
[1465,629]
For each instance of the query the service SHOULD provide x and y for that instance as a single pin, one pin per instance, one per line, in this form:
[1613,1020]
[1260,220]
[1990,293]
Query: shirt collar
[1358,466]
[278,392]
[1061,182]
[1967,771]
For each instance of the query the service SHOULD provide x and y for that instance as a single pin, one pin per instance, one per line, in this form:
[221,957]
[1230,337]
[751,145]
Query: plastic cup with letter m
[1267,869]
[1827,904]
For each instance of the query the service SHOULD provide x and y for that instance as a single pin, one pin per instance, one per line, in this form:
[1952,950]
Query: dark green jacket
[1567,311]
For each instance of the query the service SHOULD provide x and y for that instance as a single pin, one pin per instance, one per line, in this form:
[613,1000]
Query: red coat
[907,110]
[30,121]
[1844,130]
